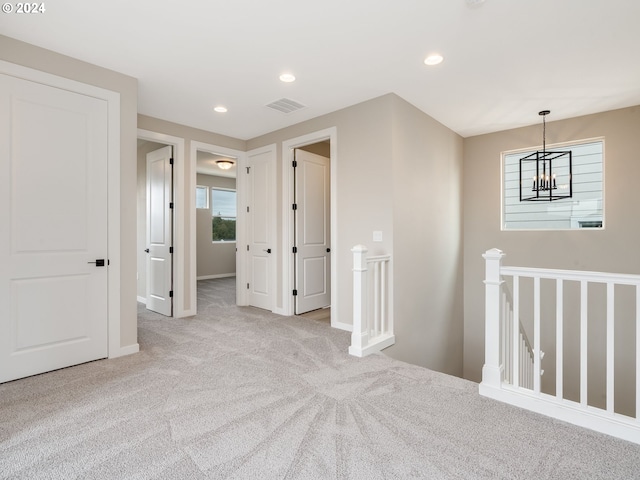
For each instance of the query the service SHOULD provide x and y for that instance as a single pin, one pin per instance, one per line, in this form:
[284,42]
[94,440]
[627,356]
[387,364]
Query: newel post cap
[493,254]
[359,249]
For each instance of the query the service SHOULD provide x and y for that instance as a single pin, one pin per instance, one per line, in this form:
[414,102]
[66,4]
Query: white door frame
[178,258]
[113,186]
[288,264]
[241,293]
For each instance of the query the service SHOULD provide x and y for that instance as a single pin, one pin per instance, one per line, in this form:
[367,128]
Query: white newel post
[360,333]
[492,371]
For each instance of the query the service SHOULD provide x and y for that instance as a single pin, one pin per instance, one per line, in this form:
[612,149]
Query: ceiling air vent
[286,105]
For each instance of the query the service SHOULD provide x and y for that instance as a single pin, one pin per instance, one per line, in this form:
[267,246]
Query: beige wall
[364,147]
[427,253]
[213,258]
[47,61]
[188,134]
[387,153]
[613,249]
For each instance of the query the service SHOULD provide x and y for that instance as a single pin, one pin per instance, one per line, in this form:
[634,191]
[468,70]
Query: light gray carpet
[241,393]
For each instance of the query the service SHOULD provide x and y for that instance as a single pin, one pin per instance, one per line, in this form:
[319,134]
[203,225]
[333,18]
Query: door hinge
[294,206]
[170,204]
[247,248]
[171,161]
[248,168]
[247,209]
[247,286]
[171,293]
[295,249]
[294,164]
[170,249]
[295,292]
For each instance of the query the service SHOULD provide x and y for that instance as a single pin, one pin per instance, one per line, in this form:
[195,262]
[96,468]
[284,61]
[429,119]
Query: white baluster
[610,347]
[517,344]
[536,334]
[583,342]
[376,299]
[559,339]
[383,298]
[638,353]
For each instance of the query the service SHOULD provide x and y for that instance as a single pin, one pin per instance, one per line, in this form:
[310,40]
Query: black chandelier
[552,172]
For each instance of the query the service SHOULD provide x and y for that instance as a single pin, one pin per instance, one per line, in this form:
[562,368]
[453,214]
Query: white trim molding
[128,350]
[179,168]
[240,223]
[288,265]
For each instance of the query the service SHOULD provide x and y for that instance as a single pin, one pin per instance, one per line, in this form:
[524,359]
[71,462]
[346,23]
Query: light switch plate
[377,236]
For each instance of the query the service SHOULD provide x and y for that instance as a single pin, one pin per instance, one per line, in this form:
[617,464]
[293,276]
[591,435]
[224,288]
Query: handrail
[572,275]
[502,349]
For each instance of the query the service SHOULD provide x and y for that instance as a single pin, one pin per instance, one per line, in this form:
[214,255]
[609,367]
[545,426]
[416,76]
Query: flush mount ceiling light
[287,78]
[433,59]
[220,109]
[551,171]
[224,164]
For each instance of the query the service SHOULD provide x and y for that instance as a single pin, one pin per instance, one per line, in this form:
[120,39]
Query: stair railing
[372,315]
[507,347]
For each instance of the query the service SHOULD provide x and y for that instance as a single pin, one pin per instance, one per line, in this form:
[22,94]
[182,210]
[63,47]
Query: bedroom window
[584,210]
[202,197]
[223,211]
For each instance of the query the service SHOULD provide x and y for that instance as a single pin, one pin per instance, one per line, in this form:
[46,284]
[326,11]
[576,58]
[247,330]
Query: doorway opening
[313,223]
[216,230]
[312,229]
[216,226]
[155,226]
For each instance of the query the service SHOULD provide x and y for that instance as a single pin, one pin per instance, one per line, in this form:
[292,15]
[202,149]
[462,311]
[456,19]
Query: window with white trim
[583,210]
[223,213]
[202,197]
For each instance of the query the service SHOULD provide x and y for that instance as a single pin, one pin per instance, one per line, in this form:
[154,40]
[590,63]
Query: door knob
[99,262]
[146,250]
[328,250]
[268,250]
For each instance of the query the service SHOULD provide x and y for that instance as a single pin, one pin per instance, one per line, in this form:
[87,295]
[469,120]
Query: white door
[53,212]
[260,228]
[159,227]
[312,231]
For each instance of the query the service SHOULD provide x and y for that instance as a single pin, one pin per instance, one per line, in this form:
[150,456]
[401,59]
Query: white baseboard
[596,419]
[128,350]
[342,326]
[184,313]
[142,300]
[379,344]
[220,275]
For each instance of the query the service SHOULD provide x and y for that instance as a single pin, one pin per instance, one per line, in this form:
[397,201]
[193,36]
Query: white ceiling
[505,60]
[206,163]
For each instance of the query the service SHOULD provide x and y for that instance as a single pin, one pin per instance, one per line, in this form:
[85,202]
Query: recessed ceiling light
[220,109]
[433,59]
[287,78]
